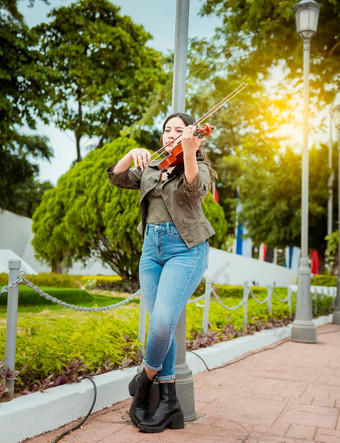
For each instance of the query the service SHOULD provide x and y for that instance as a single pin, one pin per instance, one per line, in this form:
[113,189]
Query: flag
[315,261]
[215,193]
[242,245]
[292,258]
[263,252]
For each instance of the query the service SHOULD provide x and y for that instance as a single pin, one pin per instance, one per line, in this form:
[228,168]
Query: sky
[158,18]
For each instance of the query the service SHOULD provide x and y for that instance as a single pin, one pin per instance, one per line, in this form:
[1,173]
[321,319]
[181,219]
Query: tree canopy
[99,73]
[257,43]
[21,101]
[257,35]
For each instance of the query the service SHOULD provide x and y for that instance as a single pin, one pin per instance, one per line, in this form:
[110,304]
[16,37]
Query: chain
[196,299]
[11,285]
[225,306]
[256,299]
[40,292]
[282,300]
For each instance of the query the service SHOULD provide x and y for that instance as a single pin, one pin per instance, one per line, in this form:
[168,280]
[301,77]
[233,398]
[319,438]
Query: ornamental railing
[318,292]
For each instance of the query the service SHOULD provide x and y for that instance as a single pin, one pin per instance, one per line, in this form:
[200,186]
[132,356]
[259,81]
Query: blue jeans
[169,273]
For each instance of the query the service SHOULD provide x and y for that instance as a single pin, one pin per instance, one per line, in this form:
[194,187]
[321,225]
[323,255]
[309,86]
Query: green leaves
[86,216]
[99,72]
[259,35]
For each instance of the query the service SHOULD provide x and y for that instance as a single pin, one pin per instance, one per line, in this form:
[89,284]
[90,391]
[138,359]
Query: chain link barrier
[55,300]
[196,299]
[282,300]
[231,308]
[261,302]
[43,294]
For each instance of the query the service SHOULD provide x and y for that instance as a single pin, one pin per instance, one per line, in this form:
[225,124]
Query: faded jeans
[169,273]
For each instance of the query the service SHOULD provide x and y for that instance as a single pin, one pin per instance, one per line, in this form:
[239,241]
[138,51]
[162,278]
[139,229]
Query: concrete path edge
[34,414]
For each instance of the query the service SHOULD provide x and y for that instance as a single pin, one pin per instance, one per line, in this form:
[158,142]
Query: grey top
[157,211]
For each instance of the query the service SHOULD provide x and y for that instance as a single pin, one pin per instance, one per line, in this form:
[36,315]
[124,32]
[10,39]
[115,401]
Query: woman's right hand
[141,157]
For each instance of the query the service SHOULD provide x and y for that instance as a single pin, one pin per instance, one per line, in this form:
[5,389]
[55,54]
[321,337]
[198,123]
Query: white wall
[16,236]
[232,269]
[224,268]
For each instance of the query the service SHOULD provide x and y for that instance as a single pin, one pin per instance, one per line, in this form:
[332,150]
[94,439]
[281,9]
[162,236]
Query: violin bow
[207,114]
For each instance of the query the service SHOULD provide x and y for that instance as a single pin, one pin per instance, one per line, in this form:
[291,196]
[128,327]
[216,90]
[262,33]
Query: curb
[45,411]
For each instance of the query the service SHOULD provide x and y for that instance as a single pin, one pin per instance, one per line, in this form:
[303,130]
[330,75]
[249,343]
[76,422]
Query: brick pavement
[289,392]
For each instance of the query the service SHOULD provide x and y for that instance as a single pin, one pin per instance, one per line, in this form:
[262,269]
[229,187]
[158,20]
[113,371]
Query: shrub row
[53,280]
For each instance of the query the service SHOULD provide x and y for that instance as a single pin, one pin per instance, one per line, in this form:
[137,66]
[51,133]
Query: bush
[54,280]
[324,280]
[97,343]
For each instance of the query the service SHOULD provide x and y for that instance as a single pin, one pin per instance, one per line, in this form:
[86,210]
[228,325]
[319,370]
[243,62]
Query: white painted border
[34,414]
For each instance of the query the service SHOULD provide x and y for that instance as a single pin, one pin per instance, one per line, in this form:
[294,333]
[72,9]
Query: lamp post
[336,315]
[303,328]
[331,179]
[184,378]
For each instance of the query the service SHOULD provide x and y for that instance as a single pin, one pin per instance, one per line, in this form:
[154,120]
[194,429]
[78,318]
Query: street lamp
[336,315]
[303,328]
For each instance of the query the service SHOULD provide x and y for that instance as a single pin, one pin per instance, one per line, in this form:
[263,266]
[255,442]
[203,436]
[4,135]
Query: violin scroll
[203,130]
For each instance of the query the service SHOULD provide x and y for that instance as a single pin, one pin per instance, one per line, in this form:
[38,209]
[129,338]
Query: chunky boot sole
[175,421]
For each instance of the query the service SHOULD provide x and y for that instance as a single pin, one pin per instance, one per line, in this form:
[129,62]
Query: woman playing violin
[174,257]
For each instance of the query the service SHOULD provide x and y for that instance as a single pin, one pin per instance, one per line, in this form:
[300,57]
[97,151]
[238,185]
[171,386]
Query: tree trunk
[57,268]
[78,148]
[322,261]
[335,268]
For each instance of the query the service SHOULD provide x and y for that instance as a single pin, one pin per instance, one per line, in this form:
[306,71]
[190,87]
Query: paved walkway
[289,392]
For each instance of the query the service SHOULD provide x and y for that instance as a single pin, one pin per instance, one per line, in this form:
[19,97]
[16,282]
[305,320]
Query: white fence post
[11,325]
[246,291]
[315,301]
[269,298]
[207,294]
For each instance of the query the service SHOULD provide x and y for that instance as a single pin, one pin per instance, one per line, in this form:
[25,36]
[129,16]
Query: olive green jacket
[183,200]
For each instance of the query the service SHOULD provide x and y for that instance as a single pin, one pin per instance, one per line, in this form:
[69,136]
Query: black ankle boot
[139,388]
[168,412]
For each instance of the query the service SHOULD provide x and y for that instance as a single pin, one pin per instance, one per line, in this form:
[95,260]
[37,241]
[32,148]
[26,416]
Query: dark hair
[189,120]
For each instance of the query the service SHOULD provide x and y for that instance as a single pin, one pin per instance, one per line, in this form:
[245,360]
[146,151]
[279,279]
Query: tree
[20,101]
[257,36]
[257,43]
[85,216]
[99,72]
[271,199]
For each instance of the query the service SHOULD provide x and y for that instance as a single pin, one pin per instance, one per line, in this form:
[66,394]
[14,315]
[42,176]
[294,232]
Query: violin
[176,155]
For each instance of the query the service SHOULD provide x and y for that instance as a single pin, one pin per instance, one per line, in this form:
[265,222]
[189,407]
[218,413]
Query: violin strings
[159,152]
[204,117]
[221,103]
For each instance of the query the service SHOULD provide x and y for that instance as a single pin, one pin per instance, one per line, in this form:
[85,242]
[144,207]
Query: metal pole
[11,323]
[141,326]
[180,60]
[330,180]
[184,379]
[336,314]
[303,328]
